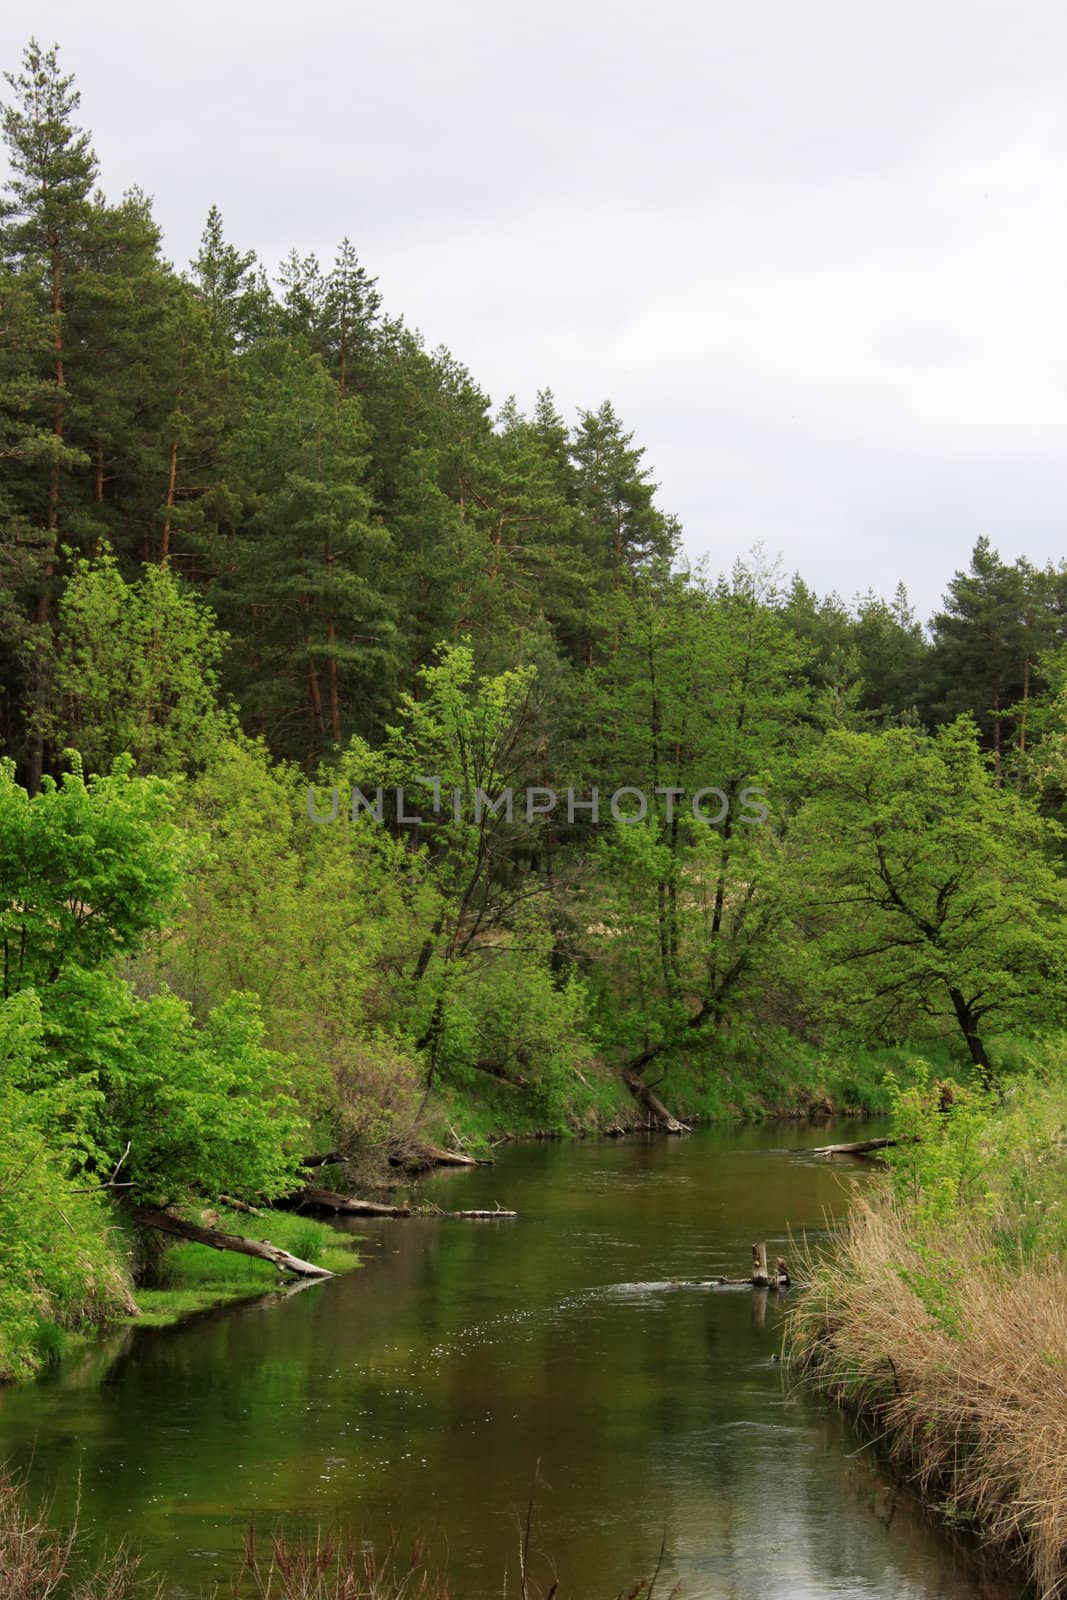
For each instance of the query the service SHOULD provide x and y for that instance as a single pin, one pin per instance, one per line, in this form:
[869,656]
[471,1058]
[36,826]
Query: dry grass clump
[324,1569]
[958,1359]
[328,1570]
[37,1563]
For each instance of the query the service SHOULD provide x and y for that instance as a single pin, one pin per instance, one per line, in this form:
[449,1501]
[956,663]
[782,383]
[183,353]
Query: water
[429,1390]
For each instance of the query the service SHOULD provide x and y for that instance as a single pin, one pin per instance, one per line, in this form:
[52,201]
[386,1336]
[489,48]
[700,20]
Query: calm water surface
[425,1391]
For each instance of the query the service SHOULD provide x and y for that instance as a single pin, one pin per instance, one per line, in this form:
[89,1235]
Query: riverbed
[470,1366]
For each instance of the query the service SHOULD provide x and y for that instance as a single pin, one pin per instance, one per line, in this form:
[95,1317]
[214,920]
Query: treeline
[255,535]
[346,499]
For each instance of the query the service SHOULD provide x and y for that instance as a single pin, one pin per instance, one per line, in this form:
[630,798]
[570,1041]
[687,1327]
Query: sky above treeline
[815,254]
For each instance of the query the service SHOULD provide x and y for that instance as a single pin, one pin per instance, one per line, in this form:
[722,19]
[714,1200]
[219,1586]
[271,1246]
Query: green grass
[192,1277]
[750,1077]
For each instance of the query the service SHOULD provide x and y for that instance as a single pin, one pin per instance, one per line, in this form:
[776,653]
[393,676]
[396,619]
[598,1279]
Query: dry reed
[958,1361]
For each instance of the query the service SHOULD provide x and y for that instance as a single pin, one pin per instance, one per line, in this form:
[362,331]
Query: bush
[59,1267]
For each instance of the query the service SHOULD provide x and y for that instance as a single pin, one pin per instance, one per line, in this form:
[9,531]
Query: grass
[191,1277]
[940,1319]
[776,1074]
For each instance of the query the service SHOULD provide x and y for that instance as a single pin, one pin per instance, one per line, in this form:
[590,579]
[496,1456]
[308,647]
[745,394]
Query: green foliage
[87,870]
[966,1156]
[940,1165]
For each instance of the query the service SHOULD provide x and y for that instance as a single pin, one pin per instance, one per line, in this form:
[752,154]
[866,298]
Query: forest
[261,541]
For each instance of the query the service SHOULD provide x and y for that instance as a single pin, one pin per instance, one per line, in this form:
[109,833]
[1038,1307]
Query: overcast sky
[816,254]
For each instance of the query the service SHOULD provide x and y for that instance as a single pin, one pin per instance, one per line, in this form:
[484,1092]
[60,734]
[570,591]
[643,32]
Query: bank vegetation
[939,1315]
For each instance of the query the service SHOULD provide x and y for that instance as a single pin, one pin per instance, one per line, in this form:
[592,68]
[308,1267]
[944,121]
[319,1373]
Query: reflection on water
[428,1390]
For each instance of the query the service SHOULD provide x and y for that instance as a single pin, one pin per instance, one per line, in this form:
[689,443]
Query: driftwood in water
[761,1277]
[652,1103]
[261,1249]
[862,1147]
[498,1211]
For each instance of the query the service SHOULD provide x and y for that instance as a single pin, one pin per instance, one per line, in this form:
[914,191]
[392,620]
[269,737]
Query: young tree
[137,671]
[704,697]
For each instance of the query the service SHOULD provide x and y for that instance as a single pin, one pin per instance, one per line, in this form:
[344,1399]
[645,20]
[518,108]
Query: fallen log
[454,1158]
[233,1204]
[312,1198]
[324,1200]
[861,1147]
[166,1222]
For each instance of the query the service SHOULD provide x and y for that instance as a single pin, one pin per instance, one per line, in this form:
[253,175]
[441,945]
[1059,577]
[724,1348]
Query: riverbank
[768,1076]
[772,1074]
[939,1317]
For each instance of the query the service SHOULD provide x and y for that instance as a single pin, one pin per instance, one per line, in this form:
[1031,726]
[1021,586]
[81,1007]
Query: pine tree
[351,310]
[233,291]
[303,569]
[45,218]
[981,646]
[302,299]
[625,528]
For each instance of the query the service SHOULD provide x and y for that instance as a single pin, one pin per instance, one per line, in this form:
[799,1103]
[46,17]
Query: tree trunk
[968,1022]
[331,680]
[261,1249]
[172,474]
[1022,719]
[35,760]
[314,691]
[652,1103]
[996,731]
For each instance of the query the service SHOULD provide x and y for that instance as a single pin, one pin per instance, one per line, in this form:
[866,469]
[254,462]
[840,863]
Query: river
[469,1363]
